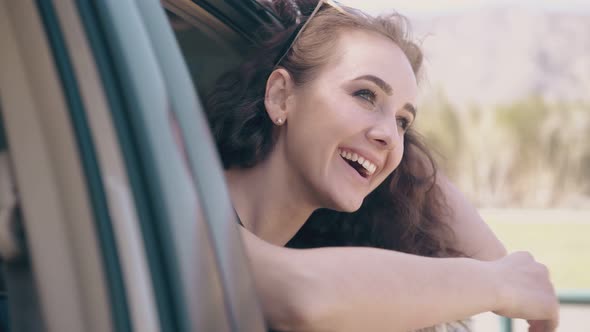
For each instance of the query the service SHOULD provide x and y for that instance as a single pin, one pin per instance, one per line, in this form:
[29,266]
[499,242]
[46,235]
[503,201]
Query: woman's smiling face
[356,110]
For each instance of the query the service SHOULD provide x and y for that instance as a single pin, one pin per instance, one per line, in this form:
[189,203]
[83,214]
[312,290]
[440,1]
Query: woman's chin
[347,205]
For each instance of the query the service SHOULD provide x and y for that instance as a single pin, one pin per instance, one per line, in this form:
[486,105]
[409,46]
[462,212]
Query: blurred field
[558,238]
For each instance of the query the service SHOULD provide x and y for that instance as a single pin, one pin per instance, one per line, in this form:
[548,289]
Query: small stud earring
[279,121]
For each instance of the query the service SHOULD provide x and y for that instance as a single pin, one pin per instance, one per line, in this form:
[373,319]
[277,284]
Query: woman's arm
[473,236]
[368,289]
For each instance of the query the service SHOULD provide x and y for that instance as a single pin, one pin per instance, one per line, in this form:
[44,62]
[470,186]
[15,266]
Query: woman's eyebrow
[379,82]
[410,108]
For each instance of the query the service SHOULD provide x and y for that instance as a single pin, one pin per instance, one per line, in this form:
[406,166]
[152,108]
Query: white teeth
[369,166]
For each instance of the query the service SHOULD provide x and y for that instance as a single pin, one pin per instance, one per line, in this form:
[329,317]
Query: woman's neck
[269,200]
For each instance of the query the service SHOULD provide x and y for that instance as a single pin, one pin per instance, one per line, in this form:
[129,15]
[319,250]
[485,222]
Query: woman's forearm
[366,289]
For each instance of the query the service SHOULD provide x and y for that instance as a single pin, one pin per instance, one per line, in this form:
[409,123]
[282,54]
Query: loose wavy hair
[403,213]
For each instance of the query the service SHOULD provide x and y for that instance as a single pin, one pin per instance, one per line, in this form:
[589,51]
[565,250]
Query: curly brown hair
[406,211]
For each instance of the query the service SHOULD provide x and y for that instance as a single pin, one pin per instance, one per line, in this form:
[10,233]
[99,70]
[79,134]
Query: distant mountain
[497,55]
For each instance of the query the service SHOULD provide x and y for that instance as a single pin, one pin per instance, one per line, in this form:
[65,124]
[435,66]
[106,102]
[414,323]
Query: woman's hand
[525,291]
[477,240]
[542,325]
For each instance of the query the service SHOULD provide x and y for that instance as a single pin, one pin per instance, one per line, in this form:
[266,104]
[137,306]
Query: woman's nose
[384,135]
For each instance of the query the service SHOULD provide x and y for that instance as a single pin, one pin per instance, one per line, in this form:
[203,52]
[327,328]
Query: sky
[438,7]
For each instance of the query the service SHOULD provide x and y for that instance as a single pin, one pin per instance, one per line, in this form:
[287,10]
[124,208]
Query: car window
[207,57]
[240,297]
[49,284]
[3,296]
[116,85]
[188,222]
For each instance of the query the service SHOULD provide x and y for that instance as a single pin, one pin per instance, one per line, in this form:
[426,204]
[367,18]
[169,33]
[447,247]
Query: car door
[126,220]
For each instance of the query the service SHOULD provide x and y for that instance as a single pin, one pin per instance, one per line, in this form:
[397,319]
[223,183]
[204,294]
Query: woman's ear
[279,87]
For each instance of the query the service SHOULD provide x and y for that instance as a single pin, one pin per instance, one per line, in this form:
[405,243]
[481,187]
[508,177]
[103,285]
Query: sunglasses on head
[299,30]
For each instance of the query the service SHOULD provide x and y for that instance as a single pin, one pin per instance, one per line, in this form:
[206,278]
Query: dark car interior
[215,35]
[22,312]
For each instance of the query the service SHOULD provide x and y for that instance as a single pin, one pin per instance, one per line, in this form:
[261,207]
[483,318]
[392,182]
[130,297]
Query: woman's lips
[354,173]
[362,161]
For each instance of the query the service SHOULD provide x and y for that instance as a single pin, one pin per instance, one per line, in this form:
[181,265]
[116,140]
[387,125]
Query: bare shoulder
[474,236]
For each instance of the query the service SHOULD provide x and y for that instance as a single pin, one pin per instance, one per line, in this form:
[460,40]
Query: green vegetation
[559,239]
[529,153]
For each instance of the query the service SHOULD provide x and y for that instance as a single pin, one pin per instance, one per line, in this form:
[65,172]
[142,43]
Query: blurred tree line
[528,153]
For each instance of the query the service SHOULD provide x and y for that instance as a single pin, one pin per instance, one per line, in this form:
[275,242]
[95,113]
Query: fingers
[542,325]
[527,291]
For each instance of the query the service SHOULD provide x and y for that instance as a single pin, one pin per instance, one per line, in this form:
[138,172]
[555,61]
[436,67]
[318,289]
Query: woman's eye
[403,123]
[367,95]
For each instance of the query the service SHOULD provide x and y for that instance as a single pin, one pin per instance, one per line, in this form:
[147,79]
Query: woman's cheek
[396,158]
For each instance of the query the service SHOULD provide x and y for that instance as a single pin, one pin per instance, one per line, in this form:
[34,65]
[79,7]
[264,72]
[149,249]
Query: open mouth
[363,167]
[357,167]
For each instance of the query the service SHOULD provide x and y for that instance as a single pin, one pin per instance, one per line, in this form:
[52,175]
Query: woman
[316,130]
